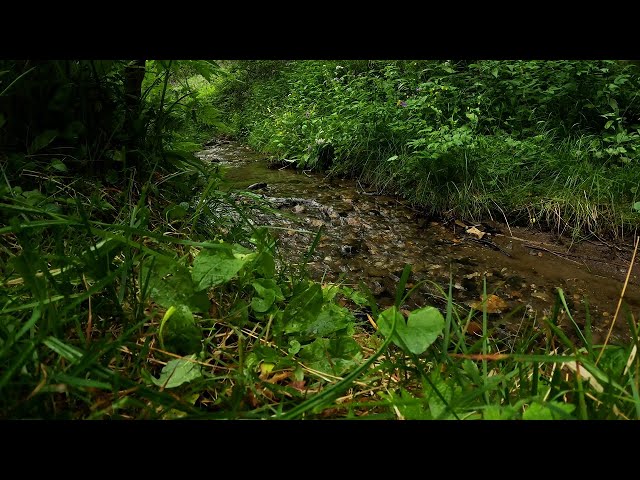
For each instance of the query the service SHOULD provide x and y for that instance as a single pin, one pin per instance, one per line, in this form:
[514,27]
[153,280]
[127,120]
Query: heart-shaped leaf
[418,333]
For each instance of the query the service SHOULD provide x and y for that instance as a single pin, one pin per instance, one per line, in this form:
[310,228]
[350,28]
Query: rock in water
[257,186]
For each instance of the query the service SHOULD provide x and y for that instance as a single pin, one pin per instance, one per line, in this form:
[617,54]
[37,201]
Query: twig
[564,255]
[505,218]
[557,254]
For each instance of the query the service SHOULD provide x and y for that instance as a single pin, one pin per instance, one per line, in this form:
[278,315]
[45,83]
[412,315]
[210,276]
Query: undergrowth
[547,142]
[129,293]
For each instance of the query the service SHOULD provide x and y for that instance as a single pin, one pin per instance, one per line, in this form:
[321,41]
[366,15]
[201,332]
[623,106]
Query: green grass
[136,298]
[86,334]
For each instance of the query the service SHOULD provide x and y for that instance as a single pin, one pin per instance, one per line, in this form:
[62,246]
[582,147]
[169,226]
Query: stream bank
[369,238]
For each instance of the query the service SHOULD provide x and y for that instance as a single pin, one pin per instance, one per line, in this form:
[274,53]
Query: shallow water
[369,237]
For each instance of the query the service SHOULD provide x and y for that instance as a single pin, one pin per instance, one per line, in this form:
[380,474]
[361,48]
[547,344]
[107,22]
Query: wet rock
[376,272]
[541,296]
[470,285]
[376,287]
[465,261]
[515,282]
[348,250]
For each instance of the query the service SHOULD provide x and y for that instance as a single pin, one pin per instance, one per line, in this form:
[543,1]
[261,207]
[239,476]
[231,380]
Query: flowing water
[369,238]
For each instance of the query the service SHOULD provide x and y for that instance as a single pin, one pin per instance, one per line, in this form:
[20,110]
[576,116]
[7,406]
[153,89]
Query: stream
[369,238]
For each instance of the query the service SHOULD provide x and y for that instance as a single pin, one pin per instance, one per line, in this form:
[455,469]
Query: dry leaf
[476,232]
[298,385]
[494,304]
[584,373]
[460,224]
[474,328]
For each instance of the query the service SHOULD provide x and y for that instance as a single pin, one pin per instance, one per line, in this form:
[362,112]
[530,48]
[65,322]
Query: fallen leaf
[494,304]
[298,385]
[476,232]
[460,224]
[279,377]
[298,209]
[474,328]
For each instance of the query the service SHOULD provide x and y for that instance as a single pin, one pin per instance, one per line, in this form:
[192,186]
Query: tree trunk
[133,77]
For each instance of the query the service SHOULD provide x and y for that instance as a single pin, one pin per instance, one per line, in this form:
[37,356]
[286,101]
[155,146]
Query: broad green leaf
[335,355]
[439,409]
[175,212]
[170,284]
[178,371]
[355,296]
[265,265]
[536,411]
[215,266]
[636,206]
[58,165]
[385,321]
[302,309]
[422,329]
[539,411]
[410,407]
[263,301]
[329,291]
[180,333]
[268,292]
[42,140]
[332,318]
[496,412]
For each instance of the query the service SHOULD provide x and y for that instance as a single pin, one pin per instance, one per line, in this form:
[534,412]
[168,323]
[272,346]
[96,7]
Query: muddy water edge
[369,238]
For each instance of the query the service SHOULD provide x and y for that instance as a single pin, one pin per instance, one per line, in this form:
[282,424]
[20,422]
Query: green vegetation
[126,294]
[553,142]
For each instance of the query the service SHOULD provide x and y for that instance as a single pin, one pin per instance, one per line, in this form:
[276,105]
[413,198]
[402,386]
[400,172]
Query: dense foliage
[134,287]
[554,142]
